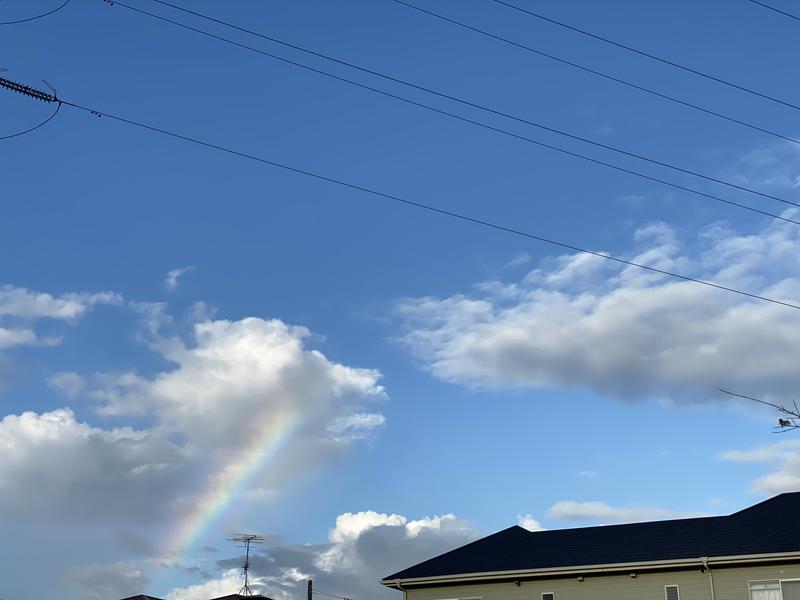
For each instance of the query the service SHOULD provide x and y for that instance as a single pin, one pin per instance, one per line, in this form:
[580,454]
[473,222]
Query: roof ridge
[760,505]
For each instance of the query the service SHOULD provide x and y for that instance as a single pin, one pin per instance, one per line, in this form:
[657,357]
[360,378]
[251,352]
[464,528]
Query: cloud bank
[580,321]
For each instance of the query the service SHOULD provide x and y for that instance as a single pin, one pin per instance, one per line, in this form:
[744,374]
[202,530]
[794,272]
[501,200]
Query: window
[671,592]
[765,590]
[548,596]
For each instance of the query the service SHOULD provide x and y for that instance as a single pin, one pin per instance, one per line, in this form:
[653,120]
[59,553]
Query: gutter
[589,569]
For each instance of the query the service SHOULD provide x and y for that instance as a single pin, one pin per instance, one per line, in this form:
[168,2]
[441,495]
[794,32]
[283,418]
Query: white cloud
[529,523]
[238,387]
[171,281]
[785,454]
[580,321]
[588,474]
[239,379]
[16,337]
[228,583]
[603,512]
[106,581]
[25,303]
[363,547]
[57,467]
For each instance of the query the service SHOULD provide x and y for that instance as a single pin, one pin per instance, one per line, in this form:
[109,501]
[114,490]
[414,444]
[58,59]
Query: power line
[32,129]
[490,127]
[777,10]
[580,67]
[444,95]
[428,207]
[29,19]
[413,203]
[652,56]
[321,593]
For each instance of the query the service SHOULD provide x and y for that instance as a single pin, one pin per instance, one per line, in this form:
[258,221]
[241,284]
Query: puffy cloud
[237,389]
[529,523]
[25,303]
[57,467]
[16,337]
[228,583]
[240,378]
[106,581]
[600,511]
[785,454]
[582,321]
[362,548]
[172,279]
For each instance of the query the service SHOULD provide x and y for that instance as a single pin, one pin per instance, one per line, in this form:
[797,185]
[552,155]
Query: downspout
[710,576]
[405,596]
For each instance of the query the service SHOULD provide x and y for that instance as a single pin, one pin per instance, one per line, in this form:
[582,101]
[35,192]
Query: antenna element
[243,541]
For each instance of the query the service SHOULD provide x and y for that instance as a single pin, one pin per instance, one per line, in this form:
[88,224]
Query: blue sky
[450,379]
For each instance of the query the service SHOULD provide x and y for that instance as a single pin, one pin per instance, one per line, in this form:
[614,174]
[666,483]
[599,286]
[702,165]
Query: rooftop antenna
[244,540]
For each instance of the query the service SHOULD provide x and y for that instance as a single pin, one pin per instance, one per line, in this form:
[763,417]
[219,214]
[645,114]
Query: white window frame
[677,587]
[750,583]
[553,594]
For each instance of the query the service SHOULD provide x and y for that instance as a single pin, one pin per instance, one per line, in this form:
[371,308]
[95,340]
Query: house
[753,554]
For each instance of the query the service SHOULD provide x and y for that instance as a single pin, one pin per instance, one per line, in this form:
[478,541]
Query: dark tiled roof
[142,597]
[769,527]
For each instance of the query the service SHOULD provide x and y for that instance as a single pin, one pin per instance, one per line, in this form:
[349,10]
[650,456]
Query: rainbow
[227,486]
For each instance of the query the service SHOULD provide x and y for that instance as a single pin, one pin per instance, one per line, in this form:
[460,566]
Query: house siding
[729,584]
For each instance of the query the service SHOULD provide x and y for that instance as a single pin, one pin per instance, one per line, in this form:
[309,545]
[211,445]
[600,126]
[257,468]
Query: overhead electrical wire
[429,207]
[32,129]
[580,67]
[440,94]
[777,10]
[660,59]
[43,15]
[490,127]
[386,196]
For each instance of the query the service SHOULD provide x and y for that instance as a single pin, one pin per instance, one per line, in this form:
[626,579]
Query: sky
[194,344]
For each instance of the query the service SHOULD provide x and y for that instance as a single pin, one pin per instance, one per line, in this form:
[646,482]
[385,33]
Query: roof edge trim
[585,569]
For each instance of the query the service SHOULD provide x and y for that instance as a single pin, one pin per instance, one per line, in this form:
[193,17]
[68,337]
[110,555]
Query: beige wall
[729,584]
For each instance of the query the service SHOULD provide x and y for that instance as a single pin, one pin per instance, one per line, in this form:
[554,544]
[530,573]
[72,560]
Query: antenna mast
[243,541]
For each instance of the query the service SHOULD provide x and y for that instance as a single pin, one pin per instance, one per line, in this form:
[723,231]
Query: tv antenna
[244,540]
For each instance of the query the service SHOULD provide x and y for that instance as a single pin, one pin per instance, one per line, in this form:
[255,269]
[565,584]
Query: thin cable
[777,10]
[429,207]
[42,16]
[651,56]
[476,123]
[42,124]
[330,595]
[457,99]
[599,73]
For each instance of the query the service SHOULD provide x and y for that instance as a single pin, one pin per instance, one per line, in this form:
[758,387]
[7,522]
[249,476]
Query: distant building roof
[142,597]
[770,527]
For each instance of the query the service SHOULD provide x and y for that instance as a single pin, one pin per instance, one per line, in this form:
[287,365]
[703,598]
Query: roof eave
[588,569]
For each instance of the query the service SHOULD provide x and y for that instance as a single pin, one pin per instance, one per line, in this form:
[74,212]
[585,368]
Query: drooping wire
[484,125]
[606,76]
[321,593]
[440,94]
[777,10]
[42,16]
[42,124]
[431,208]
[660,59]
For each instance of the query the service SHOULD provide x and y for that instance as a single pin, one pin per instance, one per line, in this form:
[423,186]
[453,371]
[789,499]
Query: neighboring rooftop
[772,526]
